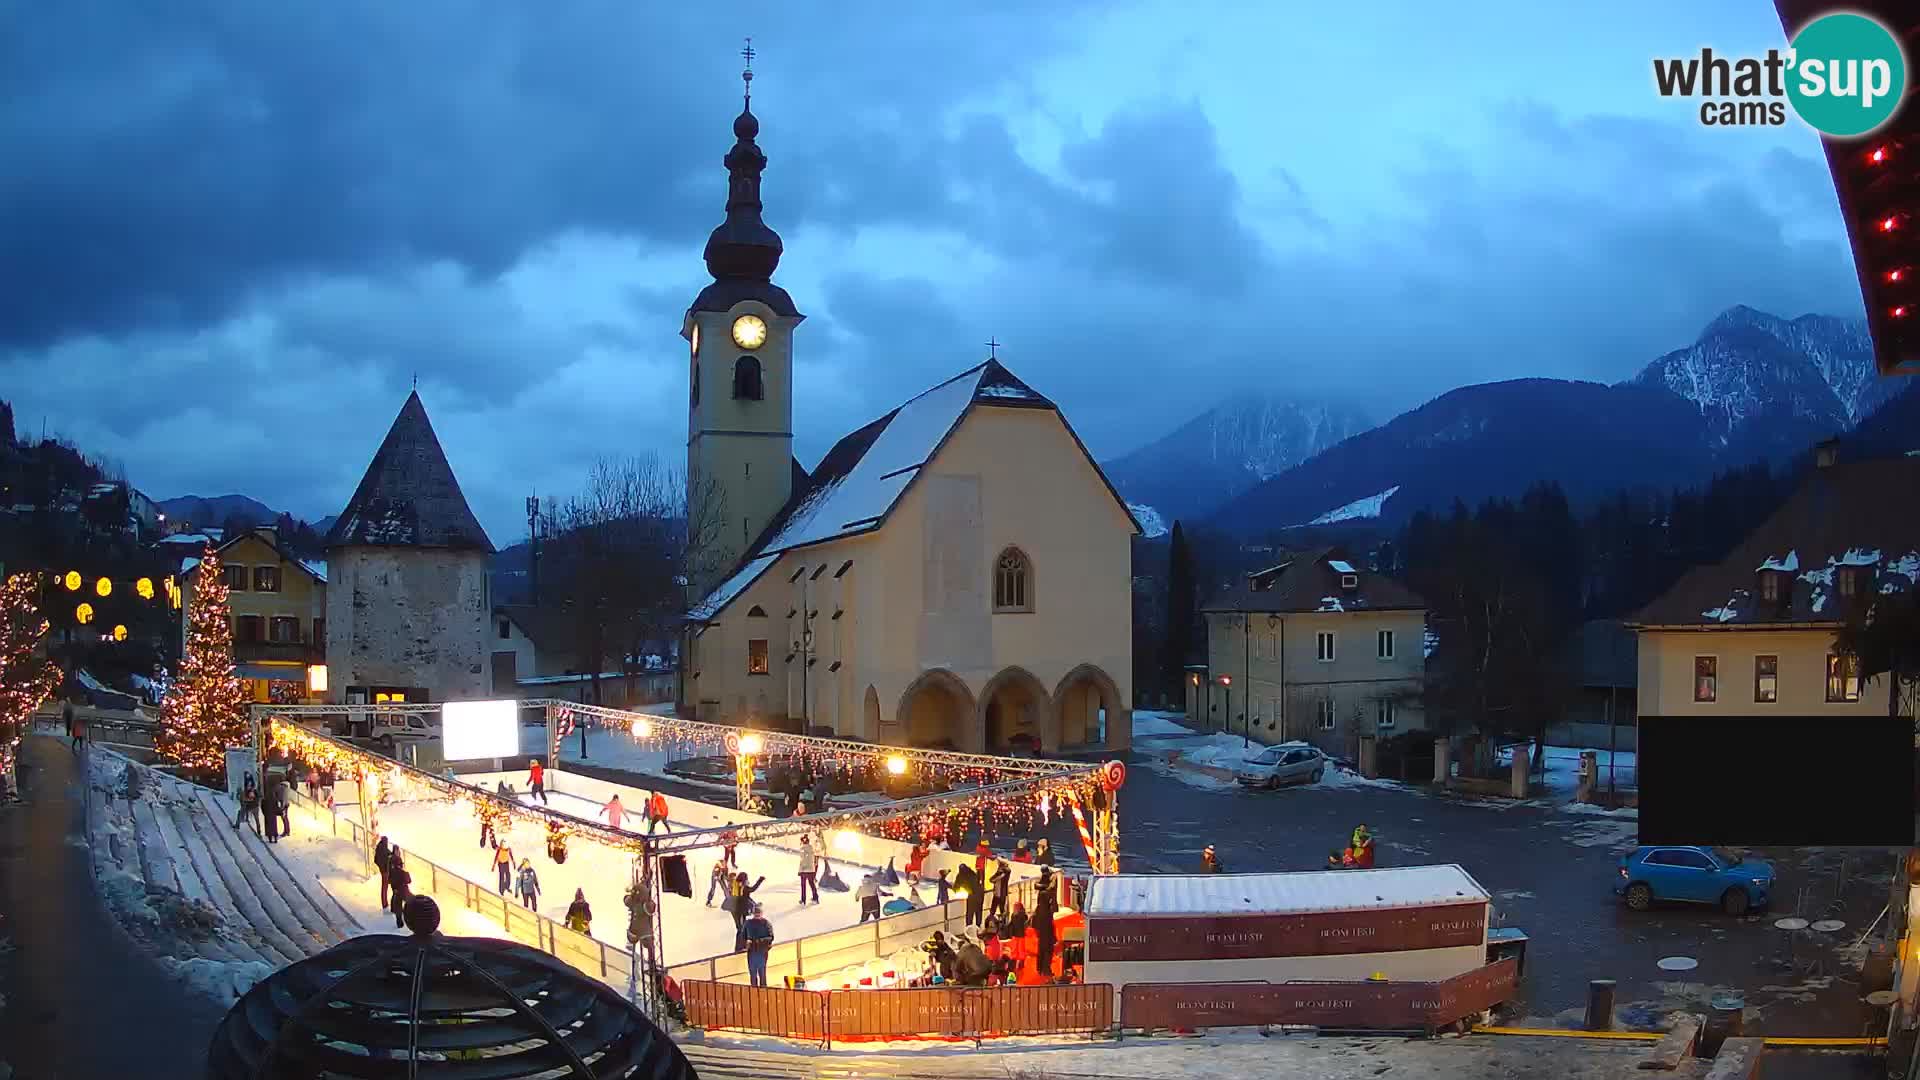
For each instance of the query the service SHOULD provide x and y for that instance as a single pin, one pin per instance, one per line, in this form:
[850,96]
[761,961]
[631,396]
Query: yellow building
[1753,634]
[955,573]
[1313,649]
[279,605]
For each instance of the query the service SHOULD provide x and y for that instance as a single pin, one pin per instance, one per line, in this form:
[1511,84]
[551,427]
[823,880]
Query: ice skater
[529,885]
[808,871]
[537,781]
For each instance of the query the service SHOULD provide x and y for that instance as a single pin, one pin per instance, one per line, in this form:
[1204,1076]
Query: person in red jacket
[1020,852]
[656,813]
[916,859]
[537,780]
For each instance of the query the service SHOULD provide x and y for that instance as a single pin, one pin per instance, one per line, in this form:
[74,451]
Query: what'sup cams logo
[1843,73]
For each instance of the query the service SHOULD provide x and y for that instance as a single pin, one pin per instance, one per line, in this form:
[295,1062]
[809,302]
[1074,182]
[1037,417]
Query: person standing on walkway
[313,781]
[529,885]
[402,885]
[579,914]
[808,871]
[249,804]
[1002,881]
[283,800]
[80,734]
[758,933]
[537,781]
[503,865]
[383,862]
[1044,853]
[1046,904]
[1210,861]
[66,717]
[940,884]
[326,786]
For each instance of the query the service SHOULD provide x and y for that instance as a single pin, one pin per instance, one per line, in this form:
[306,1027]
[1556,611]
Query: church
[955,574]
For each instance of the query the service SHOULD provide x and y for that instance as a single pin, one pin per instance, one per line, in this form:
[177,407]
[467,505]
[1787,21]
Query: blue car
[1694,875]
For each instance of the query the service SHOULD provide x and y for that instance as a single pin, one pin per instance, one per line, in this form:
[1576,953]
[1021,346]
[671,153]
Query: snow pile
[1727,614]
[1147,723]
[1330,603]
[1151,523]
[1369,507]
[223,981]
[1789,563]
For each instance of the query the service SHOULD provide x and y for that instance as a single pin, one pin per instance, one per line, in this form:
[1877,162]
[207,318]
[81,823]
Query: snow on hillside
[1368,507]
[1151,523]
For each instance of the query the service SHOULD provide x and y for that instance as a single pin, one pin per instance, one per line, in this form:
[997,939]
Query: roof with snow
[270,537]
[1310,581]
[1187,895]
[864,476]
[409,497]
[1855,518]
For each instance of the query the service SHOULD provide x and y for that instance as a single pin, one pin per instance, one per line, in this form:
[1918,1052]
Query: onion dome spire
[743,247]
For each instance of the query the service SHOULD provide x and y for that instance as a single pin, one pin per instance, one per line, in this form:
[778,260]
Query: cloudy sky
[232,233]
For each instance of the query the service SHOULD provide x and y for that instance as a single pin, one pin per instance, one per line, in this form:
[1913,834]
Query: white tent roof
[1182,895]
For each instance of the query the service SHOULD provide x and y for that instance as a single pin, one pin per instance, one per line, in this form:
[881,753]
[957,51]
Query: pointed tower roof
[409,498]
[743,252]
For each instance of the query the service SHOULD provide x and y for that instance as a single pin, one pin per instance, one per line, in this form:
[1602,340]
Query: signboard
[1317,933]
[241,763]
[480,729]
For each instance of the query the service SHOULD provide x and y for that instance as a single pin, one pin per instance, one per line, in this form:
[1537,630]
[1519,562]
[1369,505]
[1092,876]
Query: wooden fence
[940,1012]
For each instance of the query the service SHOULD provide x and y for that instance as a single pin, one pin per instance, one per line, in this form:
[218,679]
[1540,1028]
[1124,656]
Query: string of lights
[27,676]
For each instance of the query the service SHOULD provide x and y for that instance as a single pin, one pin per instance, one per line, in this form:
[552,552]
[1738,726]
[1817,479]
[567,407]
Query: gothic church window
[1013,581]
[746,379]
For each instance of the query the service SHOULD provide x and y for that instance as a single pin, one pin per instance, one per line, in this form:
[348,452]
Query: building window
[1843,677]
[1849,580]
[1013,582]
[266,579]
[247,629]
[1323,646]
[746,379]
[1766,679]
[236,578]
[757,656]
[506,630]
[1706,678]
[1386,713]
[1769,587]
[1325,712]
[1385,638]
[284,630]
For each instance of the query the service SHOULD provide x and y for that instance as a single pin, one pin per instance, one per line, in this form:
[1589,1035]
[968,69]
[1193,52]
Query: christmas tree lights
[27,676]
[206,710]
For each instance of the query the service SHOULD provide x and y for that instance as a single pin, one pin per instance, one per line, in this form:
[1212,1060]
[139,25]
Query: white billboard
[479,729]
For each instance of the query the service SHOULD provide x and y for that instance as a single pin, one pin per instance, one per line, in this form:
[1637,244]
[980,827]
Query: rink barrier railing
[609,963]
[938,1012]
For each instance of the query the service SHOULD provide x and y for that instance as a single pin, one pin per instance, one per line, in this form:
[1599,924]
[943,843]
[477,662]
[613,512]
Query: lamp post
[803,651]
[1226,681]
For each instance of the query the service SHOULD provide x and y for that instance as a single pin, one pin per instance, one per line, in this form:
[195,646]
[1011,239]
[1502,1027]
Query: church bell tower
[739,334]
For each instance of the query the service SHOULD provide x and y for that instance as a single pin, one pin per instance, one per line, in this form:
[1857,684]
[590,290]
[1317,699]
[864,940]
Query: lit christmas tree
[27,676]
[206,710]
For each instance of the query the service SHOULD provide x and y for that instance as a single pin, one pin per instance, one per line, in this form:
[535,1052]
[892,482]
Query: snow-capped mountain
[1226,450]
[1816,372]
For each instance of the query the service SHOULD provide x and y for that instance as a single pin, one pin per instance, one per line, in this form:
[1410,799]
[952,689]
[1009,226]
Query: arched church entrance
[870,716]
[1015,713]
[936,712]
[1091,712]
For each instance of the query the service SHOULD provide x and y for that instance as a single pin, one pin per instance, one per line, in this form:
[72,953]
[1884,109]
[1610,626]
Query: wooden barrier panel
[1382,1006]
[1192,1006]
[930,1011]
[767,1010]
[1042,1010]
[1320,933]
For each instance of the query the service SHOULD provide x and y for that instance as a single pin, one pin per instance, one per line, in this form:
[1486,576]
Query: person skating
[487,834]
[1002,881]
[1043,855]
[249,804]
[757,932]
[537,781]
[613,811]
[529,885]
[1210,861]
[719,881]
[503,866]
[383,862]
[942,889]
[741,902]
[869,894]
[916,859]
[657,813]
[1362,848]
[808,871]
[326,786]
[579,914]
[313,781]
[402,885]
[730,843]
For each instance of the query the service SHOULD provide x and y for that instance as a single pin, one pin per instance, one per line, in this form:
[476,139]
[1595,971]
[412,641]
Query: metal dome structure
[395,1006]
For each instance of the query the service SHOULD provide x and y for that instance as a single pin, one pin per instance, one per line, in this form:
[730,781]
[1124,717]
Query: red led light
[1896,275]
[1899,312]
[1889,223]
[1878,155]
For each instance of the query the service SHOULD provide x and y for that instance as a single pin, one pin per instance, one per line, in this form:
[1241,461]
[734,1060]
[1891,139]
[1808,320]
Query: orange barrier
[937,1012]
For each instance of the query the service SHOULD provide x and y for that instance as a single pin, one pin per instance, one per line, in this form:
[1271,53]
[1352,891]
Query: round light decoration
[749,331]
[144,587]
[104,587]
[896,765]
[751,744]
[847,842]
[120,633]
[83,613]
[71,581]
[643,728]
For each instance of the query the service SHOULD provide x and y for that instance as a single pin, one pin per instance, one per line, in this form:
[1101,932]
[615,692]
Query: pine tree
[205,712]
[27,676]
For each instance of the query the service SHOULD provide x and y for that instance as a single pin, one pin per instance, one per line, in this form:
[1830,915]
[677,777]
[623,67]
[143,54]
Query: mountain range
[1751,387]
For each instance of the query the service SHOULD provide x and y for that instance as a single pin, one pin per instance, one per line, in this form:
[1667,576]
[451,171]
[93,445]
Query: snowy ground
[1148,723]
[1218,750]
[450,837]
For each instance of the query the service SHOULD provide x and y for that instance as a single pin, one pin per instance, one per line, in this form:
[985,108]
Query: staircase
[219,888]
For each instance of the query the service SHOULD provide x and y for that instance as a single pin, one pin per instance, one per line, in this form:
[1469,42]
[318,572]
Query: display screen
[480,729]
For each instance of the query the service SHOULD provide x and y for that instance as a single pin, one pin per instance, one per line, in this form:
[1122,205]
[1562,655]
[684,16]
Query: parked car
[1283,763]
[1694,875]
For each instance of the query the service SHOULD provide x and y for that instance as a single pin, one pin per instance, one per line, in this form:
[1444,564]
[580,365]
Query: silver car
[1285,763]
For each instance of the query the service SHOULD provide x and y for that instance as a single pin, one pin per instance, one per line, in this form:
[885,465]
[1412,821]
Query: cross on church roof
[746,75]
[993,349]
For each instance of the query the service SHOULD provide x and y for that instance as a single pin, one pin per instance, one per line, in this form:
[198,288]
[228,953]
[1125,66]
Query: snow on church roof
[1186,895]
[731,588]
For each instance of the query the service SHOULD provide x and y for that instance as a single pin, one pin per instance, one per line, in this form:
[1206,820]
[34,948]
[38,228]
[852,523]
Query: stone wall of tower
[739,451]
[408,617]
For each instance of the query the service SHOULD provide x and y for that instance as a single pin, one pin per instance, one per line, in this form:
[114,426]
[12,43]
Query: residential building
[1601,663]
[279,605]
[1314,649]
[408,613]
[534,656]
[1753,634]
[955,573]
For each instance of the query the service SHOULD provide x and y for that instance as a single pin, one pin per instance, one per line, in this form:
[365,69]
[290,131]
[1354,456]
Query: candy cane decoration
[1086,836]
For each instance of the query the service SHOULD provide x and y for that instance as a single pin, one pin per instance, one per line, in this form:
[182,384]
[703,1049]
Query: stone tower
[407,598]
[739,330]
